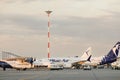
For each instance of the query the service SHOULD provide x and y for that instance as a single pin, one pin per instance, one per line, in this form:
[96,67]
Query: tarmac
[67,74]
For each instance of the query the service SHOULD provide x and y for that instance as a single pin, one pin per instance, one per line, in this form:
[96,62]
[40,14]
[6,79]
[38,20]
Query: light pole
[48,12]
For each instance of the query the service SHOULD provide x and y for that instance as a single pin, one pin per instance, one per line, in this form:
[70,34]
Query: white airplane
[63,62]
[109,58]
[20,63]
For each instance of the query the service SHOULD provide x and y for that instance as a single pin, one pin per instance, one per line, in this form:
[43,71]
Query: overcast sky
[75,25]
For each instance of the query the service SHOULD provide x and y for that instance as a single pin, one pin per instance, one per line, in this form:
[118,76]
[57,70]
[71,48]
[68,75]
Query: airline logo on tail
[112,55]
[116,49]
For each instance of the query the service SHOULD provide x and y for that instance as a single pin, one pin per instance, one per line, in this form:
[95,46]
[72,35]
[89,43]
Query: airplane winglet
[89,59]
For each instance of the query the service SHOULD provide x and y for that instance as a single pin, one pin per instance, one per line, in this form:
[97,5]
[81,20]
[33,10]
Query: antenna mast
[48,12]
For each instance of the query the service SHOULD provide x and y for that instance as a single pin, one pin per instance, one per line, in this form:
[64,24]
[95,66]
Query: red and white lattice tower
[48,12]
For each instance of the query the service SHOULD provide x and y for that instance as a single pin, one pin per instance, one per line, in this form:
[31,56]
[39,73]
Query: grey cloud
[89,28]
[35,24]
[71,26]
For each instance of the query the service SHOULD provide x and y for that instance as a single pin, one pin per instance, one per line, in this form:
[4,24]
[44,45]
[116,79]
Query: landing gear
[24,69]
[4,69]
[76,66]
[21,69]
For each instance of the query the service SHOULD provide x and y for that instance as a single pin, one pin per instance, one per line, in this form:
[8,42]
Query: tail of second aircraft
[87,54]
[112,55]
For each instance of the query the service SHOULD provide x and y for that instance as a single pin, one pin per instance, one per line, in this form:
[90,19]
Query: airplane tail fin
[87,54]
[112,55]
